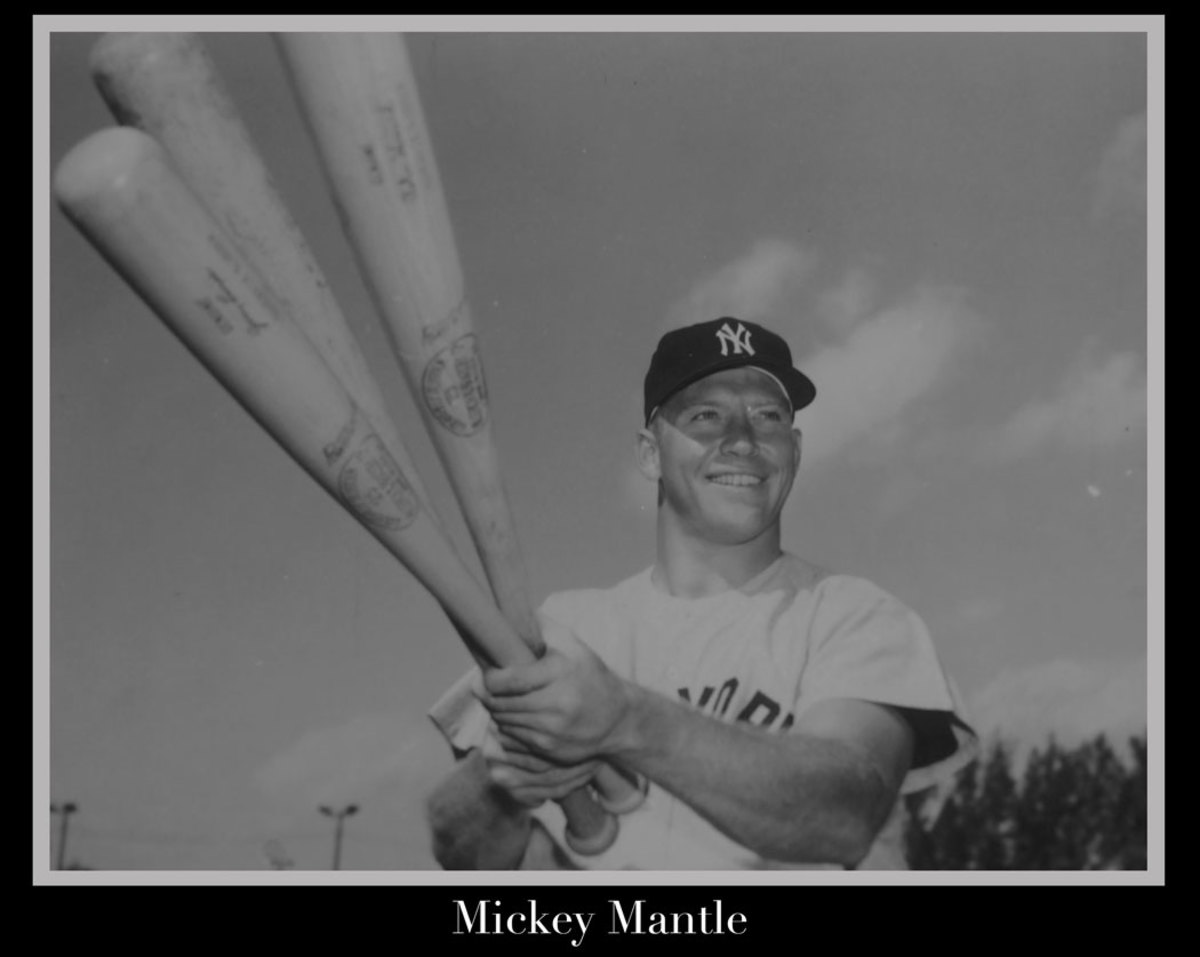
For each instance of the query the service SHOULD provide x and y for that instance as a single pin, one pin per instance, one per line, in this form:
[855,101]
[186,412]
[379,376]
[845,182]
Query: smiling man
[774,710]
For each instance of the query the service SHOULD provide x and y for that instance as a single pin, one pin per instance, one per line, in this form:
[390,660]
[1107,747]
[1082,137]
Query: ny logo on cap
[738,340]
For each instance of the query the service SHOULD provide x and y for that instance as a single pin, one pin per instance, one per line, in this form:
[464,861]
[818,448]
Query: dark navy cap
[692,352]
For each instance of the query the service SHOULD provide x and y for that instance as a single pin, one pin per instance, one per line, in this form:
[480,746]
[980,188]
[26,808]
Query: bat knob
[596,843]
[625,799]
[105,163]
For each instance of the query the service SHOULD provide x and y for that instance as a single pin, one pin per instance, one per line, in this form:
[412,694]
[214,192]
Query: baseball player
[774,710]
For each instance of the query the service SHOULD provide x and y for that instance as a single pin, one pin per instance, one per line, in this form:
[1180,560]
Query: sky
[951,231]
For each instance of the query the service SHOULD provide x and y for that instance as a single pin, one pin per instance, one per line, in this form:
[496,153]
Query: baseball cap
[692,352]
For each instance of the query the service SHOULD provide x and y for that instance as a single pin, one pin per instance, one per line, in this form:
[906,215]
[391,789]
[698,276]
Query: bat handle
[590,828]
[616,793]
[591,817]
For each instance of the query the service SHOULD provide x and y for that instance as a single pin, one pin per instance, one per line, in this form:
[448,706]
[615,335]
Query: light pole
[64,811]
[338,818]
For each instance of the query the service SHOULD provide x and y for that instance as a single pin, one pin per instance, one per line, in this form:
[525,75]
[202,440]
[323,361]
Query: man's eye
[704,414]
[774,415]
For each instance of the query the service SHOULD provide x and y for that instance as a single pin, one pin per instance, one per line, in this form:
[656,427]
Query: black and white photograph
[636,446]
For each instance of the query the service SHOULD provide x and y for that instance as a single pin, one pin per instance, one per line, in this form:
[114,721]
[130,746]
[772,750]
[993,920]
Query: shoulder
[827,590]
[837,606]
[839,593]
[578,607]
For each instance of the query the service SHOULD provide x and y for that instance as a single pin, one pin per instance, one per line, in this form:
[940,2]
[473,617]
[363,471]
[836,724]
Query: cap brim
[798,387]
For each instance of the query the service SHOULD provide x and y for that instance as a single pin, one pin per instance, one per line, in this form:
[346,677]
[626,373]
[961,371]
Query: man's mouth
[736,479]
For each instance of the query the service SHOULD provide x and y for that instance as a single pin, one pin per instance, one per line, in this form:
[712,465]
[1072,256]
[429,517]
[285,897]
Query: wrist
[629,735]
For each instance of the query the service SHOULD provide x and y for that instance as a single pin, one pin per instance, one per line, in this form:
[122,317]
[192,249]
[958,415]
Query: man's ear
[798,442]
[647,454]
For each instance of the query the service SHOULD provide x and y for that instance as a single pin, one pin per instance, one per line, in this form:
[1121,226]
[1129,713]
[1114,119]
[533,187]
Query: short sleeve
[868,645]
[462,719]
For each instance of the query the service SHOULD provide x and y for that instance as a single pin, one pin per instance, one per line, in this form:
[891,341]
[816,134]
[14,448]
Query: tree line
[1081,808]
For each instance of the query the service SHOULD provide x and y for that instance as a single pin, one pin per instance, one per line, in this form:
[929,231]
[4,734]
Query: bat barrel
[121,192]
[167,85]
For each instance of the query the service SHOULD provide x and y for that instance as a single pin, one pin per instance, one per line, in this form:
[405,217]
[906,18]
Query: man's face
[726,454]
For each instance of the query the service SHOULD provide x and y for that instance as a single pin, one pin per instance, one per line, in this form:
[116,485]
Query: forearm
[792,797]
[474,824]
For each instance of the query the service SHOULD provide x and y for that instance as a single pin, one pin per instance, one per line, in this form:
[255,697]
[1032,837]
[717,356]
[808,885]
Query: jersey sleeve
[462,719]
[866,644]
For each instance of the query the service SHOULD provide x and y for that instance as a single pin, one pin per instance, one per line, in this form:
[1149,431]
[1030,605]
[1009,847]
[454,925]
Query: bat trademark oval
[373,485]
[454,388]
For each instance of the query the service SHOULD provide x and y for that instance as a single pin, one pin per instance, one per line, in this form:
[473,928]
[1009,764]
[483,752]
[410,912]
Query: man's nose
[739,438]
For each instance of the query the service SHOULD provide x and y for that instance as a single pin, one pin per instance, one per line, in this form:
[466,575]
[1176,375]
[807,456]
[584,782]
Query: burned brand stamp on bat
[454,387]
[374,486]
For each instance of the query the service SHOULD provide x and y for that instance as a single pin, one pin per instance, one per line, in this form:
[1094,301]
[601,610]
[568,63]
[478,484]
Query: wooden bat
[119,188]
[360,101]
[166,85]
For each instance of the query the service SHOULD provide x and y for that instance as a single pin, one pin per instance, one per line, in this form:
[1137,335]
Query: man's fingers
[521,725]
[532,789]
[522,680]
[514,787]
[526,701]
[518,756]
[577,776]
[525,761]
[512,746]
[529,739]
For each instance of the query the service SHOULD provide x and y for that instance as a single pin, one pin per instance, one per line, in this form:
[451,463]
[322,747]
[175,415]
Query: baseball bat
[120,190]
[360,101]
[167,85]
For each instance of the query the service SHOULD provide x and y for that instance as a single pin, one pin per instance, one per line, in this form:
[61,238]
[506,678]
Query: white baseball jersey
[763,654]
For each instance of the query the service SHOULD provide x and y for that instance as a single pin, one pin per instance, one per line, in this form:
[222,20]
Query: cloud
[869,384]
[333,765]
[976,610]
[850,300]
[1100,402]
[1073,700]
[1120,179]
[755,286]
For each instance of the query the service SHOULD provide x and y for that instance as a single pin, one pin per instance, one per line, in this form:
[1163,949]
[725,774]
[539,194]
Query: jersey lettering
[750,715]
[761,711]
[725,696]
